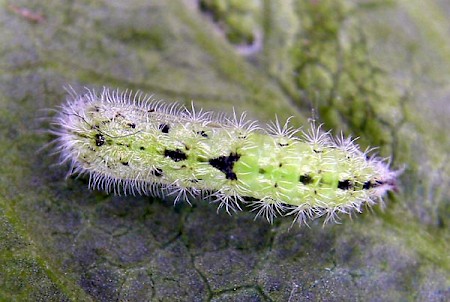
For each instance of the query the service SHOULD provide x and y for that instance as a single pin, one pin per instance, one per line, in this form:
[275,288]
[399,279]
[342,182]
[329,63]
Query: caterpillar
[128,143]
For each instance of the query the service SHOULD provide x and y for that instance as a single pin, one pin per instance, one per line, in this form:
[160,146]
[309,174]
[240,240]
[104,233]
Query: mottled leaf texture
[375,69]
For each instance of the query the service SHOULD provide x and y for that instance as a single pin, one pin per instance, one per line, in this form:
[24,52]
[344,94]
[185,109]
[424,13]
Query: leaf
[375,69]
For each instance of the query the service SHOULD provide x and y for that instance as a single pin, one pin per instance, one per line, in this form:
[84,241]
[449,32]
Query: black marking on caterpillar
[305,179]
[176,155]
[202,133]
[164,128]
[344,185]
[225,165]
[99,140]
[157,172]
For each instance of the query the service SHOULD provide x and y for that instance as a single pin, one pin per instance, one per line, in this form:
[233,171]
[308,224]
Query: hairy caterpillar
[128,143]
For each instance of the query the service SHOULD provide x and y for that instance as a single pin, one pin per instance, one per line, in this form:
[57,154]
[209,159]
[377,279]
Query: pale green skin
[269,168]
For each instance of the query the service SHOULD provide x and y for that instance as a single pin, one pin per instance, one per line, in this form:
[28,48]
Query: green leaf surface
[376,69]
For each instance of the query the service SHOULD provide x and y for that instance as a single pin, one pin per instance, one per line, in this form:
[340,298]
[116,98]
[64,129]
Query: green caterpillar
[129,144]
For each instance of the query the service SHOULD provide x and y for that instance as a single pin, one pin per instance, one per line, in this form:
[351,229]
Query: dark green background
[374,69]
